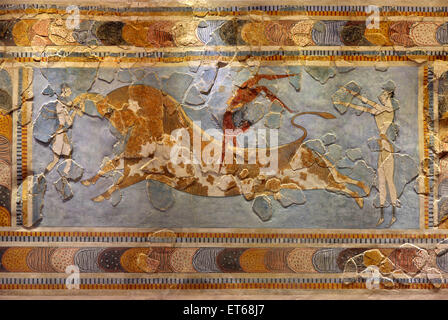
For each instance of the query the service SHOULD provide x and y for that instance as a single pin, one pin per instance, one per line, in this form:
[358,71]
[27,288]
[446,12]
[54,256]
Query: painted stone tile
[217,148]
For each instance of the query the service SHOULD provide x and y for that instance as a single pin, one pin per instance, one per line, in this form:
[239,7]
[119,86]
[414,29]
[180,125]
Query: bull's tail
[324,115]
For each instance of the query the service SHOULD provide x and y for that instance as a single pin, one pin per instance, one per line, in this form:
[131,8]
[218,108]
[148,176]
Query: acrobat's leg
[388,165]
[383,192]
[394,218]
[381,219]
[52,163]
[271,96]
[68,166]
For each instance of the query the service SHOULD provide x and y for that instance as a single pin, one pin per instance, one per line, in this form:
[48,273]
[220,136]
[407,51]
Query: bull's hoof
[360,202]
[86,182]
[100,198]
[366,189]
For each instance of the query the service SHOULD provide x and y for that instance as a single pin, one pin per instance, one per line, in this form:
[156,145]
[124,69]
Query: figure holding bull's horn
[384,114]
[60,142]
[63,112]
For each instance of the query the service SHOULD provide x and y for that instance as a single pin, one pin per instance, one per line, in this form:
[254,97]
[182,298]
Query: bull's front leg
[128,178]
[111,165]
[107,194]
[122,183]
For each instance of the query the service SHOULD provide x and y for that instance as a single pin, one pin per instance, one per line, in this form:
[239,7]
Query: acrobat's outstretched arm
[272,97]
[358,107]
[363,99]
[377,107]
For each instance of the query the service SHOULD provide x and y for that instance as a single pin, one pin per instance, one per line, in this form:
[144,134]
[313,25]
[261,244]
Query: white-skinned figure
[61,145]
[52,127]
[384,115]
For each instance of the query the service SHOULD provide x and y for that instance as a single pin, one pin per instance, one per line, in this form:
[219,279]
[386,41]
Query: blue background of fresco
[92,141]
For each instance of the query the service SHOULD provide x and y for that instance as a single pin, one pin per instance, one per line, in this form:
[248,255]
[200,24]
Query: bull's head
[104,108]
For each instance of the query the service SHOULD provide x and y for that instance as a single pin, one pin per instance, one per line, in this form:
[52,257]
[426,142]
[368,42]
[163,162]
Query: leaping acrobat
[248,92]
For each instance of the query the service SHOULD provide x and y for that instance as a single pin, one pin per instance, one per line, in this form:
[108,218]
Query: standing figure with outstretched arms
[384,114]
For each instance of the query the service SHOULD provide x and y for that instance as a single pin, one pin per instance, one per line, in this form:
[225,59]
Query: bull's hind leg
[336,177]
[340,178]
[343,188]
[106,168]
[336,186]
[338,182]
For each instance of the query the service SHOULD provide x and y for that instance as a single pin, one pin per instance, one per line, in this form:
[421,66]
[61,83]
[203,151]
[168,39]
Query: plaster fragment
[262,208]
